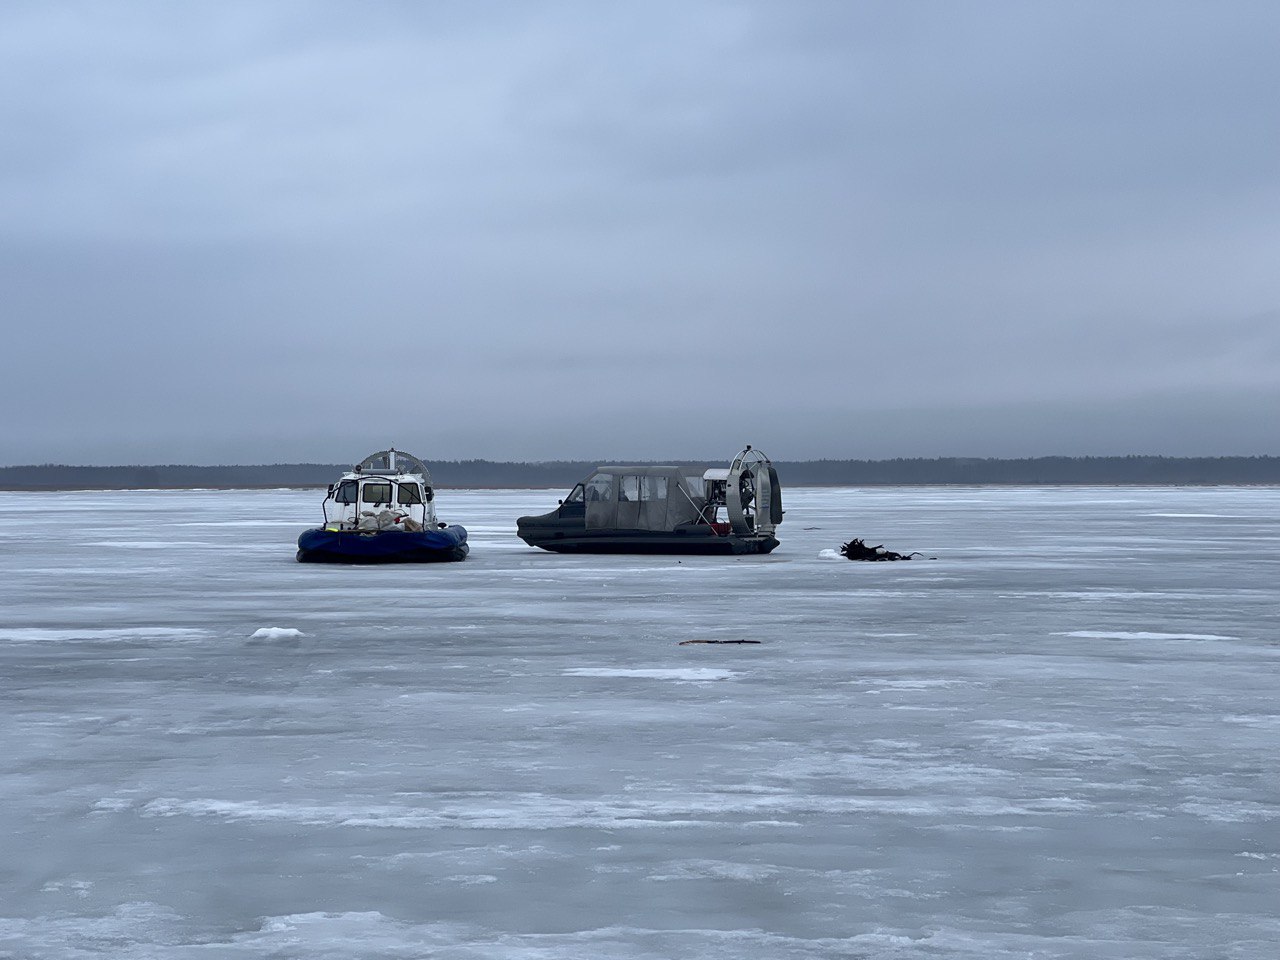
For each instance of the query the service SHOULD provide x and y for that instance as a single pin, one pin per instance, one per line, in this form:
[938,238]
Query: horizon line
[675,460]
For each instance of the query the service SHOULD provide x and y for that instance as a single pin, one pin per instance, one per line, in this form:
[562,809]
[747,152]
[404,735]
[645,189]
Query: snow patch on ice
[276,633]
[263,522]
[685,674]
[110,804]
[140,931]
[1141,635]
[80,888]
[99,634]
[1046,740]
[536,811]
[1253,719]
[829,554]
[1210,516]
[912,683]
[148,544]
[470,879]
[1217,810]
[717,870]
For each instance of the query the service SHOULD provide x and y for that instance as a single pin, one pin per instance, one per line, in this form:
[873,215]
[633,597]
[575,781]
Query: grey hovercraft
[659,509]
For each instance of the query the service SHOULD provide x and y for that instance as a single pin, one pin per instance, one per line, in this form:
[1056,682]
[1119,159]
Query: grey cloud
[227,230]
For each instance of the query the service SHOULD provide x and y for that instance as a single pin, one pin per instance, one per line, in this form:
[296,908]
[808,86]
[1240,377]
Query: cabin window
[629,489]
[600,487]
[409,493]
[654,489]
[346,492]
[575,495]
[376,493]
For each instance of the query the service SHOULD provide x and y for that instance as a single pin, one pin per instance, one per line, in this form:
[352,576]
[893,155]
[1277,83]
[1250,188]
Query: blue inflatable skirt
[441,545]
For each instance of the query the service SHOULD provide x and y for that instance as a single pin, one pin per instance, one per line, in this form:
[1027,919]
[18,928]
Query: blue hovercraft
[383,511]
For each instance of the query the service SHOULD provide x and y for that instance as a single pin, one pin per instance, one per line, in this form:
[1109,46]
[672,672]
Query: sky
[237,232]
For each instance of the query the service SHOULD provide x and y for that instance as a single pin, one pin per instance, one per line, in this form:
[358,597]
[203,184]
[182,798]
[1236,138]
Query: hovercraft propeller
[753,496]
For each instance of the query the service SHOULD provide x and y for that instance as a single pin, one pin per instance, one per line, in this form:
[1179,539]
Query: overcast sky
[274,232]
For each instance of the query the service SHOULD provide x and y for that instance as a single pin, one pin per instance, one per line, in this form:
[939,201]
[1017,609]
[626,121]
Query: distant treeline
[563,474]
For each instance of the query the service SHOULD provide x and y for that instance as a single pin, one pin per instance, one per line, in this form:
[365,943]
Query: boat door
[574,506]
[413,501]
[602,505]
[343,496]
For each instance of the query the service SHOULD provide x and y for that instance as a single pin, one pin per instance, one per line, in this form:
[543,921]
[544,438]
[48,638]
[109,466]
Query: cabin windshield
[346,492]
[376,492]
[575,495]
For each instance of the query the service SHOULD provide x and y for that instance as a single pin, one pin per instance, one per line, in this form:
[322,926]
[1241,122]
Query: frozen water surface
[1057,740]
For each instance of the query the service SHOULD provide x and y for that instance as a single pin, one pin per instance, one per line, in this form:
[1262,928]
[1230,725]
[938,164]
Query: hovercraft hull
[383,546]
[691,541]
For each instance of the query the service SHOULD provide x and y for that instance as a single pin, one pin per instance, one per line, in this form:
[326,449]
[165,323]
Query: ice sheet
[1056,740]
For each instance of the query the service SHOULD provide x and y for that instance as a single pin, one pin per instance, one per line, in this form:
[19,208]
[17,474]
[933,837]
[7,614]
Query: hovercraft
[383,511]
[660,509]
